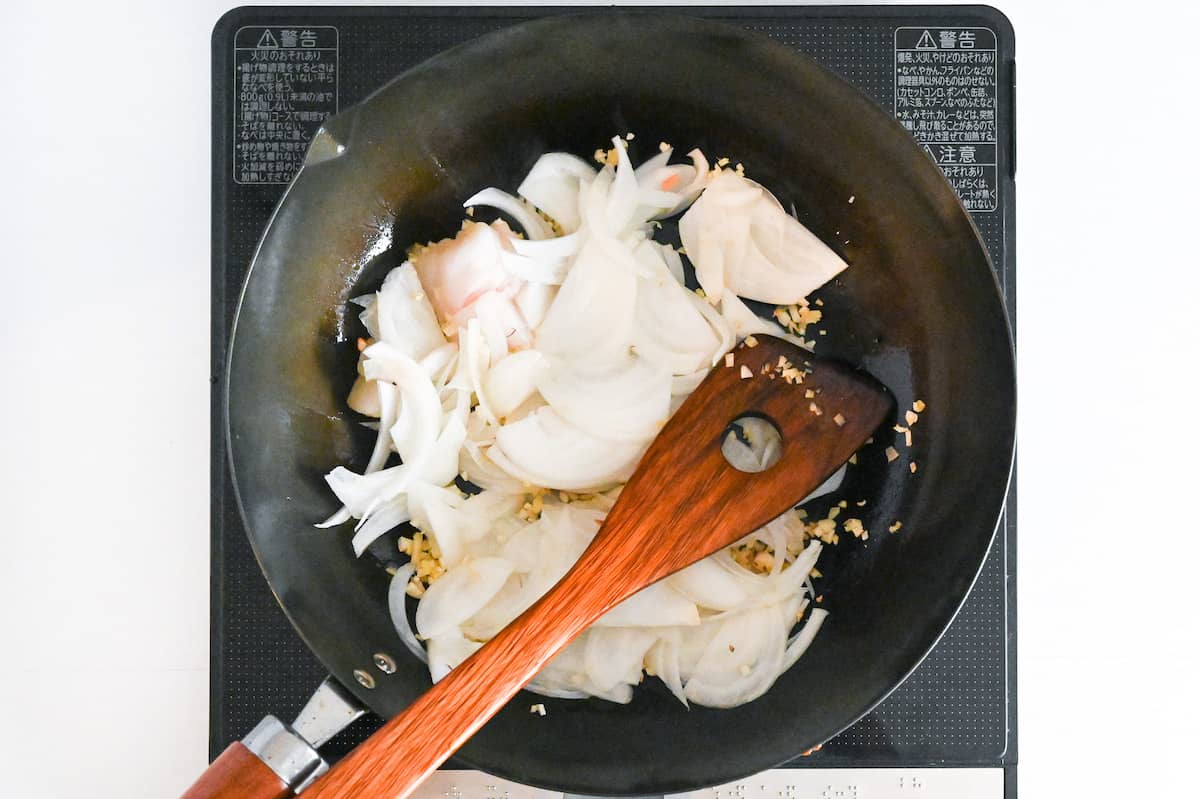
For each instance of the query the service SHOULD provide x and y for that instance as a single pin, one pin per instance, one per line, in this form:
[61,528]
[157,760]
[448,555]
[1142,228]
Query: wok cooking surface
[957,709]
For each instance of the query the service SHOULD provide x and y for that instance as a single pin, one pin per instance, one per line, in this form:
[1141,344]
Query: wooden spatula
[684,502]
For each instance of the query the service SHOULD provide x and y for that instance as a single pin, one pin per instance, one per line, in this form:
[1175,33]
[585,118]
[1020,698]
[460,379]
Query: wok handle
[238,774]
[272,762]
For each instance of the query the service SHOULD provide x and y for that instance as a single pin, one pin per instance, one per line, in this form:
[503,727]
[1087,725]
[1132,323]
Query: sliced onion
[647,169]
[398,609]
[459,594]
[447,651]
[724,330]
[741,662]
[669,327]
[746,322]
[389,402]
[553,186]
[800,642]
[550,271]
[417,424]
[513,599]
[683,385]
[405,317]
[738,237]
[439,363]
[674,263]
[433,512]
[614,655]
[628,403]
[340,516]
[533,301]
[657,605]
[709,586]
[591,319]
[512,381]
[663,661]
[479,469]
[500,321]
[549,249]
[700,164]
[358,491]
[382,518]
[541,687]
[544,449]
[524,215]
[622,204]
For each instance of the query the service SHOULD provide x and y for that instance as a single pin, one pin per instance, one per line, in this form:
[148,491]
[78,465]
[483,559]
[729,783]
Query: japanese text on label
[946,96]
[285,85]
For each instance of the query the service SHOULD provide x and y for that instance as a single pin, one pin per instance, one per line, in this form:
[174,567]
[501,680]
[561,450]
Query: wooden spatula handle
[238,774]
[684,502]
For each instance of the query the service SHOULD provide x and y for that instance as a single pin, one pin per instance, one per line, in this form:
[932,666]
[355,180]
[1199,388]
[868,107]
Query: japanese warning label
[946,97]
[285,84]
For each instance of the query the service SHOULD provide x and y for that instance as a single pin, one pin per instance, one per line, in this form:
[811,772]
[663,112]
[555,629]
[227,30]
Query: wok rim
[563,781]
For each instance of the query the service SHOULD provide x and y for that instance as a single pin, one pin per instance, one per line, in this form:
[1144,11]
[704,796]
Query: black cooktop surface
[945,72]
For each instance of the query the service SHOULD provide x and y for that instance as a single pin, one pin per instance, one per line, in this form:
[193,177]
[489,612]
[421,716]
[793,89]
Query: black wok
[919,308]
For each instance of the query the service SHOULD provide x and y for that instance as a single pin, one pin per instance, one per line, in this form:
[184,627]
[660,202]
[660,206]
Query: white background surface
[104,431]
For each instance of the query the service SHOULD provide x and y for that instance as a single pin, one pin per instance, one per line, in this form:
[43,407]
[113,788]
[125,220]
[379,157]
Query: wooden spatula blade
[687,501]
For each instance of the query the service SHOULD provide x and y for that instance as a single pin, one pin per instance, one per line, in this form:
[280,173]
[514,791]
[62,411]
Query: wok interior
[918,308]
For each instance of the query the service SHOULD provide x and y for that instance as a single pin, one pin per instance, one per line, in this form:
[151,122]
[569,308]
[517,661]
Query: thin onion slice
[552,185]
[524,215]
[398,609]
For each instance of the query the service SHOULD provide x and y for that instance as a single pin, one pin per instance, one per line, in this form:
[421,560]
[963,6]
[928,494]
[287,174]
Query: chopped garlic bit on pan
[891,453]
[796,318]
[896,525]
[839,420]
[745,372]
[539,709]
[729,359]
